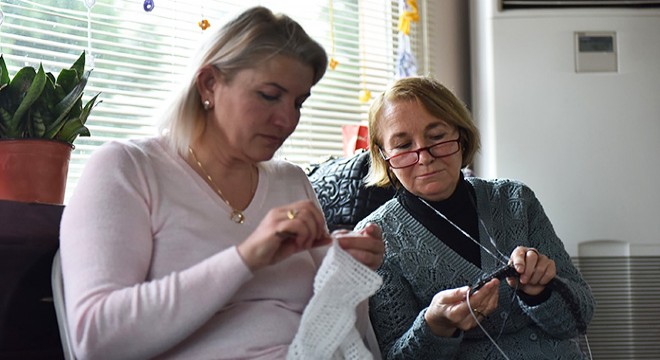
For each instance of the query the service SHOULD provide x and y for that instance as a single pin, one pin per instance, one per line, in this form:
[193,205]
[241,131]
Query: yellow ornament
[333,63]
[204,24]
[408,16]
[365,96]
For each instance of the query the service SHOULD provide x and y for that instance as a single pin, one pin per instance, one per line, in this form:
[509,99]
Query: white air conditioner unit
[540,4]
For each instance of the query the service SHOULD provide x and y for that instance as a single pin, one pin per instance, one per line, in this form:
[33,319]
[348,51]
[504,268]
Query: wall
[448,36]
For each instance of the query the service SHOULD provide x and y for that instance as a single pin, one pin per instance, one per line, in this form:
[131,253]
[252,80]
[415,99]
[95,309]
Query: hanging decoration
[204,23]
[89,57]
[148,5]
[409,14]
[406,64]
[332,63]
[365,95]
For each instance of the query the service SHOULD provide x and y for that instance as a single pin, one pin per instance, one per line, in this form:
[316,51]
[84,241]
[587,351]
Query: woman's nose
[425,156]
[287,116]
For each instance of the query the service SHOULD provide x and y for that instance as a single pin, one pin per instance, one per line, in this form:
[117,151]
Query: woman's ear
[206,79]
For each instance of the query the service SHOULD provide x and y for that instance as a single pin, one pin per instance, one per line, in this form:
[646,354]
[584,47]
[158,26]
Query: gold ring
[291,214]
[478,313]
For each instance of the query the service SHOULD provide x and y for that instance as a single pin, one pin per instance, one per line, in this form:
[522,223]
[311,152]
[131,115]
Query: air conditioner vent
[568,4]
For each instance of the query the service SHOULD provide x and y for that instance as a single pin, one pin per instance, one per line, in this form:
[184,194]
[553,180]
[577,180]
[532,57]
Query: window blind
[137,57]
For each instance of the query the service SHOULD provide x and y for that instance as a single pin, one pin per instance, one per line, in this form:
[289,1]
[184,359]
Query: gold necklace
[236,215]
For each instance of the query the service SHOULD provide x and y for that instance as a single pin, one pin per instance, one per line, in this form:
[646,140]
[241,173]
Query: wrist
[244,252]
[440,330]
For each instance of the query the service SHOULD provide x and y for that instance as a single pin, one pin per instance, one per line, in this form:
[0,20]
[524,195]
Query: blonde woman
[197,244]
[444,231]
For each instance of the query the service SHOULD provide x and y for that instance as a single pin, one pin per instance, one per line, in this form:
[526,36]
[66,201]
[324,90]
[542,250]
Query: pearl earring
[206,104]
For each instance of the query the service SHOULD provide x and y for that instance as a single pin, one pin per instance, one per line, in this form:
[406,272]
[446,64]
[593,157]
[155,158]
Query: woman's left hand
[535,269]
[366,245]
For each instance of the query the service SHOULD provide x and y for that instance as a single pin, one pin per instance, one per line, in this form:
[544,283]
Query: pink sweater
[151,268]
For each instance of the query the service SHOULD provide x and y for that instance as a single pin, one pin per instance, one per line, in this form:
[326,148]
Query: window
[137,56]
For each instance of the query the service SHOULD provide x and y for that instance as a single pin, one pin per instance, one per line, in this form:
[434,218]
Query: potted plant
[40,117]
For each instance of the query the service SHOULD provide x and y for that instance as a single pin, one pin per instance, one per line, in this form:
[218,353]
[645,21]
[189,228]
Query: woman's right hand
[449,309]
[285,231]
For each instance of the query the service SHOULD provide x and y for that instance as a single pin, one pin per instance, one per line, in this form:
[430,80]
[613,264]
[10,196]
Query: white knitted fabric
[327,329]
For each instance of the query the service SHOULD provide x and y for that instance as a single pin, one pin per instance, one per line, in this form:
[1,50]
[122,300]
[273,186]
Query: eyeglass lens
[438,150]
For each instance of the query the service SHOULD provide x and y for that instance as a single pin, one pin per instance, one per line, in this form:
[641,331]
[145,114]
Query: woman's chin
[264,155]
[435,193]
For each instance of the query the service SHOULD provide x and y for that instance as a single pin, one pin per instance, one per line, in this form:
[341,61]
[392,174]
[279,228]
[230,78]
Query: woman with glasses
[444,232]
[197,244]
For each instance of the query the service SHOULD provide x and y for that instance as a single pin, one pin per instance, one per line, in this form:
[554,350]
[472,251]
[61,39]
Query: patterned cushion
[339,185]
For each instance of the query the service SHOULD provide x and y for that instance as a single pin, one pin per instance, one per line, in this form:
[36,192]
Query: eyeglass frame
[418,152]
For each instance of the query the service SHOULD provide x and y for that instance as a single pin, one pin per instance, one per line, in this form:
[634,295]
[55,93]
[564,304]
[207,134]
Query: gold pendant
[237,217]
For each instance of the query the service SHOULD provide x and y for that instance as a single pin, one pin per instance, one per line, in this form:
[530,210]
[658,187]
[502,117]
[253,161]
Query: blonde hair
[438,101]
[254,36]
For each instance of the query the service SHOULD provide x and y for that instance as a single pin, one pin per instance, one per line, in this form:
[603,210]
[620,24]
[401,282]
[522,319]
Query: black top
[459,208]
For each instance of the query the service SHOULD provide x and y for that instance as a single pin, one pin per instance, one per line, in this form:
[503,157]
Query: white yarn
[327,329]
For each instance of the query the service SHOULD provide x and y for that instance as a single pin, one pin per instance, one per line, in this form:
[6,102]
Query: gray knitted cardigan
[418,265]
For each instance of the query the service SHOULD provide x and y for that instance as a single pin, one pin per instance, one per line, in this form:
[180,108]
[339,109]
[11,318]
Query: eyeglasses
[410,158]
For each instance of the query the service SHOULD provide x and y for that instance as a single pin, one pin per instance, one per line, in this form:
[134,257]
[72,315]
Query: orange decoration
[204,24]
[333,63]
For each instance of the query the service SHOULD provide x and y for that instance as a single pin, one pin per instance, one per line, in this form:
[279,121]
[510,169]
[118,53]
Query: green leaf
[32,94]
[75,127]
[76,93]
[46,102]
[5,101]
[36,127]
[71,130]
[4,74]
[63,108]
[45,117]
[79,65]
[15,91]
[88,108]
[5,117]
[68,79]
[58,95]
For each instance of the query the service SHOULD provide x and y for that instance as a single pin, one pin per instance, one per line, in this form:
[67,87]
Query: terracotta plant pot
[34,170]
